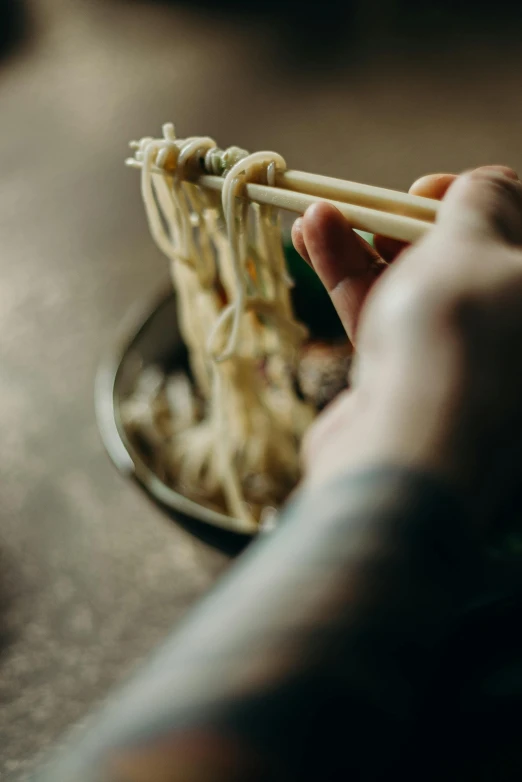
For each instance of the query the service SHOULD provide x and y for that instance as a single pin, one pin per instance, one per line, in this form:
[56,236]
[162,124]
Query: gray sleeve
[309,658]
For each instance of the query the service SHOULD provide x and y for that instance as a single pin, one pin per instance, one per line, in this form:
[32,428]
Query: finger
[300,246]
[298,240]
[487,203]
[346,264]
[430,186]
[437,185]
[433,185]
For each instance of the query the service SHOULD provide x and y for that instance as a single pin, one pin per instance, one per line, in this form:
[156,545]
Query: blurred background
[380,91]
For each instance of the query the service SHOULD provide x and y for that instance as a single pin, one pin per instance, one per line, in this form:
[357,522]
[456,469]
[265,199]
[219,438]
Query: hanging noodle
[235,312]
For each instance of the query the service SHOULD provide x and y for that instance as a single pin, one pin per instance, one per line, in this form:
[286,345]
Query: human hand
[437,381]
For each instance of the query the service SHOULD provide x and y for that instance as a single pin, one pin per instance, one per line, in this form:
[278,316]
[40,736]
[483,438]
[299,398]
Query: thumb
[486,203]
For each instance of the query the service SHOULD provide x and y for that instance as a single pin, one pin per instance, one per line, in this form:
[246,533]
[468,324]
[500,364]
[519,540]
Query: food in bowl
[226,430]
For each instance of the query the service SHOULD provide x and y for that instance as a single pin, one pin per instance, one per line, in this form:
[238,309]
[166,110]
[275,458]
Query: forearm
[338,612]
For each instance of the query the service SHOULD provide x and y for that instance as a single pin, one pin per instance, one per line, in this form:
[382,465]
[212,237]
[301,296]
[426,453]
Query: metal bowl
[149,335]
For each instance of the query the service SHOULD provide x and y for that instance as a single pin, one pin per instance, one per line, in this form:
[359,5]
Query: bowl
[150,335]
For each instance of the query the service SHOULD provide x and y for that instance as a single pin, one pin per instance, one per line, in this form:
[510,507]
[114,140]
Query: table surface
[92,576]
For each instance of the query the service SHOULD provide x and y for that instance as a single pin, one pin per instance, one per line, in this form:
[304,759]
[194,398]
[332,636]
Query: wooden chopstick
[406,229]
[362,195]
[372,209]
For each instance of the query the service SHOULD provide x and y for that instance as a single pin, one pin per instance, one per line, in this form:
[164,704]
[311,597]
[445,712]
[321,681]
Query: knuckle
[410,296]
[497,196]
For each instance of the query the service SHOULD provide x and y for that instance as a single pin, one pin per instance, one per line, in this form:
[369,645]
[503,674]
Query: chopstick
[372,209]
[407,229]
[362,195]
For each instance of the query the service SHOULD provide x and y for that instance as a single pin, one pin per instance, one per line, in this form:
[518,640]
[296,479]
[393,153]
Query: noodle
[235,313]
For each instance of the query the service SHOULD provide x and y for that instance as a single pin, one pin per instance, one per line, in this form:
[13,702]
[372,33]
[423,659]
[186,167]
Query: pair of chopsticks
[372,209]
